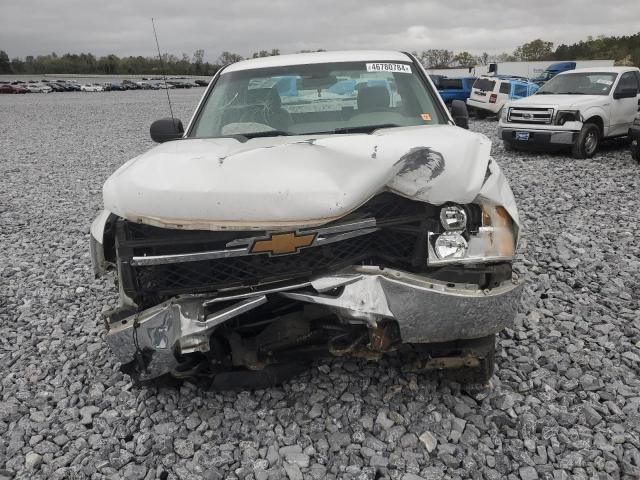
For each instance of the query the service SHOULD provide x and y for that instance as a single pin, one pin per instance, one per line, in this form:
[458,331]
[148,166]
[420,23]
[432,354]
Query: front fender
[596,111]
[97,241]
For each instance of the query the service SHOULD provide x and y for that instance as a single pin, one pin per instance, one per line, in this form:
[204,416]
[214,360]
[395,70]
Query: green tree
[227,58]
[465,59]
[536,50]
[17,65]
[5,64]
[266,53]
[198,60]
[436,58]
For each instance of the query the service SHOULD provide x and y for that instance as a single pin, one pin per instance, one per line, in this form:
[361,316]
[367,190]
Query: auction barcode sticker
[388,67]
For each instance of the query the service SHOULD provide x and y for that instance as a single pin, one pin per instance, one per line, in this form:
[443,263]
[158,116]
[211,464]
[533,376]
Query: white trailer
[521,69]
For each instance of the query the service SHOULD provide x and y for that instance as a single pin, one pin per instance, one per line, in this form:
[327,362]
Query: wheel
[508,146]
[587,141]
[482,114]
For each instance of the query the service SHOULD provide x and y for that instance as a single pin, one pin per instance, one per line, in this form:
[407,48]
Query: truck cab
[451,89]
[553,70]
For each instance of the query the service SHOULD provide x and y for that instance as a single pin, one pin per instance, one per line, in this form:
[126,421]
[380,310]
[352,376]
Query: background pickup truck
[576,109]
[451,89]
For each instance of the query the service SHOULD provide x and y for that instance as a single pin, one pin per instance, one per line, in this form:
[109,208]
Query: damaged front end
[360,311]
[394,270]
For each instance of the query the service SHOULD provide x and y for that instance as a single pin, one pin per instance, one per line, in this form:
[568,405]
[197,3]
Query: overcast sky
[34,27]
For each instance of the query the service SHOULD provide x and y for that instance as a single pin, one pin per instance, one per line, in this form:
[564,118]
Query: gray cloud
[32,27]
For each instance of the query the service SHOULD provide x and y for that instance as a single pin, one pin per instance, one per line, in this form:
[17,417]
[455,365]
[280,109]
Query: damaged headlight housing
[564,116]
[504,116]
[453,217]
[472,234]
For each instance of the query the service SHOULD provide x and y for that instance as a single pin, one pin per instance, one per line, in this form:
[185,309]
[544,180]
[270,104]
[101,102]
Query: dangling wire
[164,75]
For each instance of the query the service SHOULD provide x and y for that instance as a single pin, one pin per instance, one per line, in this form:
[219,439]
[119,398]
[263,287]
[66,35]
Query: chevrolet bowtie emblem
[283,243]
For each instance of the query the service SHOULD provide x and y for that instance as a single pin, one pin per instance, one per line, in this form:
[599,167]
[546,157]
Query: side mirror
[166,129]
[627,92]
[460,114]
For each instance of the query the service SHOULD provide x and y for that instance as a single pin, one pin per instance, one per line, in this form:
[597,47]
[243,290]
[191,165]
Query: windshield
[316,98]
[579,84]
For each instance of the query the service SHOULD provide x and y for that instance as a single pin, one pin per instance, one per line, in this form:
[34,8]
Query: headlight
[450,245]
[453,217]
[564,116]
[493,240]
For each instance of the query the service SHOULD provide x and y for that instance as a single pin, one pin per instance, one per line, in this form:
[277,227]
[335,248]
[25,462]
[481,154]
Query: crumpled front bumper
[538,136]
[426,310]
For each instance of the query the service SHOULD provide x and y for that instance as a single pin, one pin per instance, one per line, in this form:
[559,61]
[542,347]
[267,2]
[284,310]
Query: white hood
[563,102]
[280,182]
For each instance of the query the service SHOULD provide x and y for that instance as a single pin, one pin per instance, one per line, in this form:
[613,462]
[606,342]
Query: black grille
[530,115]
[399,243]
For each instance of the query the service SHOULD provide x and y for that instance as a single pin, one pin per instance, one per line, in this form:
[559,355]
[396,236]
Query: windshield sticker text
[388,67]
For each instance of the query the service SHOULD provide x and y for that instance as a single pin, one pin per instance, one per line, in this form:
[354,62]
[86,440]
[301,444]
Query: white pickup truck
[577,108]
[277,228]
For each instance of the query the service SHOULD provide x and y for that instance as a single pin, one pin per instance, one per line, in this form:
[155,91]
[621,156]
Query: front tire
[508,146]
[587,141]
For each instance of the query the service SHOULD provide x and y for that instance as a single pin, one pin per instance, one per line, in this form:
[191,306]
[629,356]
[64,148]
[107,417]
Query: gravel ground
[564,402]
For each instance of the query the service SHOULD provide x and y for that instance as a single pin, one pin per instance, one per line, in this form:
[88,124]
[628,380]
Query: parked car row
[48,86]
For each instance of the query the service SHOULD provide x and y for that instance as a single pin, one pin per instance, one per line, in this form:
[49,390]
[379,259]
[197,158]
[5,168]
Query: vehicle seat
[373,99]
[269,111]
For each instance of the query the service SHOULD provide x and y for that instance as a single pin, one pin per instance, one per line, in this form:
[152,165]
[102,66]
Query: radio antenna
[164,76]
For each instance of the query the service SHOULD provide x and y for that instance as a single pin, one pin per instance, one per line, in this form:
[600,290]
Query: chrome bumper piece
[426,310]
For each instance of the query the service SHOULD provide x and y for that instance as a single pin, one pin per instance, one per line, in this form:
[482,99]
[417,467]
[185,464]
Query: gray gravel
[564,403]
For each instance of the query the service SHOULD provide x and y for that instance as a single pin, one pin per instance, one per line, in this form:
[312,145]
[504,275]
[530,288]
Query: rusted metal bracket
[442,363]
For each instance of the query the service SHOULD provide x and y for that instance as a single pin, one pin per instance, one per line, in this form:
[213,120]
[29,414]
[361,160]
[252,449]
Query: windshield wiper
[266,133]
[544,93]
[364,128]
[574,93]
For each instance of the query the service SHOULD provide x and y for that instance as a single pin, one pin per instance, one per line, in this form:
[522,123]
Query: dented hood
[280,182]
[562,101]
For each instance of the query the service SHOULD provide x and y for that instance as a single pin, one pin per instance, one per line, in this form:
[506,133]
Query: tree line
[87,64]
[625,50]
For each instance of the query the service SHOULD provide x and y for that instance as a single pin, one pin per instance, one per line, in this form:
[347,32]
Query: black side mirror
[627,92]
[166,129]
[460,114]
